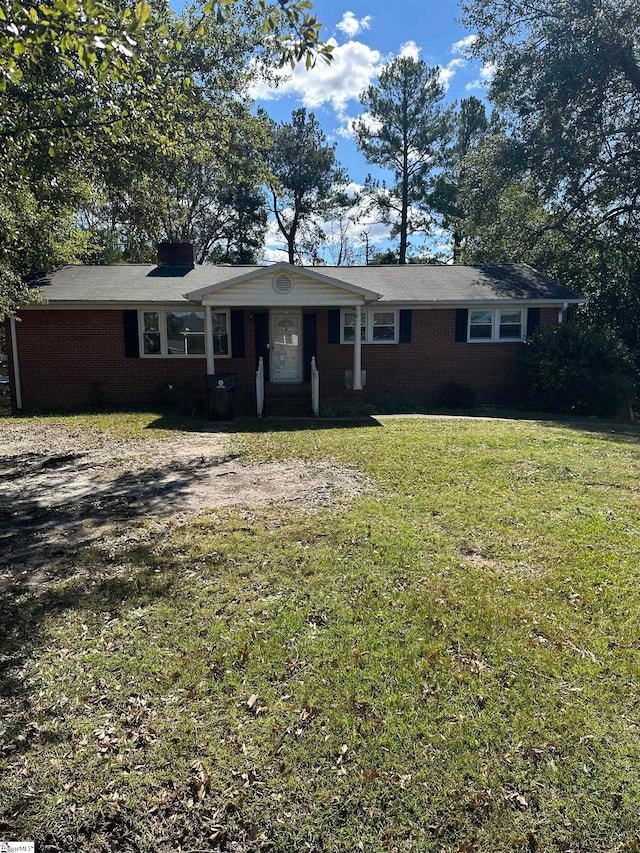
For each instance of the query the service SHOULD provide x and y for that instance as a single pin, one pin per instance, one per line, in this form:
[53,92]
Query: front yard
[439,653]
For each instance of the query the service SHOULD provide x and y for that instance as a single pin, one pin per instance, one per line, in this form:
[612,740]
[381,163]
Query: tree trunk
[404,214]
[457,246]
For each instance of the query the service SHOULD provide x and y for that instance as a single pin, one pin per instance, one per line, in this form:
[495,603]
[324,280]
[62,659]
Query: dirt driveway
[62,488]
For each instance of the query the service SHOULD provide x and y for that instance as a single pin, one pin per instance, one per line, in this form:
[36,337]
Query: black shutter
[309,343]
[533,320]
[131,340]
[405,326]
[237,334]
[334,325]
[462,320]
[262,341]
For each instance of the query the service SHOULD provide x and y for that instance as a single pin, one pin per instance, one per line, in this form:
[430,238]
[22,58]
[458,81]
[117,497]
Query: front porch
[280,316]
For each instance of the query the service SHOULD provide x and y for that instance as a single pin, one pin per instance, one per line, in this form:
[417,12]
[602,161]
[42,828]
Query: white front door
[286,347]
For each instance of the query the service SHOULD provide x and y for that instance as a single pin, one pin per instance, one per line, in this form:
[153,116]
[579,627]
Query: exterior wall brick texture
[71,358]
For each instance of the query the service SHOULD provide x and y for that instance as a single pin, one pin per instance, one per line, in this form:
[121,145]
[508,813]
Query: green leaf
[142,13]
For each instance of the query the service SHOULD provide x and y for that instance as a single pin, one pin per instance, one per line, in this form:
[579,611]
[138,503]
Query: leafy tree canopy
[405,130]
[567,73]
[84,79]
[304,181]
[470,126]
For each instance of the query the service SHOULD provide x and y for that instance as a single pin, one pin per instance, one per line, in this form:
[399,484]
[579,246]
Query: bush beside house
[576,369]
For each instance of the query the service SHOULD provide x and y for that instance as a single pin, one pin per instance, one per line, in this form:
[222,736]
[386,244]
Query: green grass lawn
[447,663]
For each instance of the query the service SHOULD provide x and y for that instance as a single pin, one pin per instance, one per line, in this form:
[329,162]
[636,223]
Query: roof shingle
[414,284]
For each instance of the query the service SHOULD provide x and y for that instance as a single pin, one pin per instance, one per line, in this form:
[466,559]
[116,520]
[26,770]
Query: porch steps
[288,401]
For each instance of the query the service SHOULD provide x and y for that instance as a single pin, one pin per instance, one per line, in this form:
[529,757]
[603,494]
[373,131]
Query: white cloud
[464,44]
[410,49]
[347,129]
[272,256]
[351,26]
[487,73]
[446,74]
[353,68]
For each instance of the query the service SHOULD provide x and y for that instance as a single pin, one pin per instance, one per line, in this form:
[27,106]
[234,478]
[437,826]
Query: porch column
[17,385]
[357,352]
[208,340]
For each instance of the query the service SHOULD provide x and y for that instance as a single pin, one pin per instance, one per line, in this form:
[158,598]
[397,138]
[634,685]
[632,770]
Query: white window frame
[495,325]
[162,322]
[227,312]
[367,316]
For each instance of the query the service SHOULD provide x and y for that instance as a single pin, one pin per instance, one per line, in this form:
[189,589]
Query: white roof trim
[306,272]
[498,302]
[149,305]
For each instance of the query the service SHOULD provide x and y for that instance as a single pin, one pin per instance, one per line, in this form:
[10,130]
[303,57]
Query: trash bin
[221,389]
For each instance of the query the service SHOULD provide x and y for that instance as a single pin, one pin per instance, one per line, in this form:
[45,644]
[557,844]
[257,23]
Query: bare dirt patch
[62,488]
[475,557]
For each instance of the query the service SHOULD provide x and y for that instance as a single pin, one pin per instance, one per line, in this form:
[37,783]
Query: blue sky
[366,35]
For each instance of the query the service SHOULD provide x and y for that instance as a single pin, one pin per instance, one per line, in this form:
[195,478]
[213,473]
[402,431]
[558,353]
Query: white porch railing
[260,387]
[315,387]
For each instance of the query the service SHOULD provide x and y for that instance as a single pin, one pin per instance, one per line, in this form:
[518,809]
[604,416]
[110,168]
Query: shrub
[181,396]
[579,370]
[456,395]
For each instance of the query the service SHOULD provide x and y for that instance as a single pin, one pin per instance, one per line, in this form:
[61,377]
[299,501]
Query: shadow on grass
[612,430]
[168,419]
[258,425]
[24,616]
[53,506]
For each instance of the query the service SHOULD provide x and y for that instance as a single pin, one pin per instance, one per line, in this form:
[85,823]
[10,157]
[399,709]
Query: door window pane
[285,349]
[185,333]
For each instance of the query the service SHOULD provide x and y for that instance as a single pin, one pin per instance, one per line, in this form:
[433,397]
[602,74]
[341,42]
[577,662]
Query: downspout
[16,364]
[564,308]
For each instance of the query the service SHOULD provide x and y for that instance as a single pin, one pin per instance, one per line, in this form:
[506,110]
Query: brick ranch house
[122,333]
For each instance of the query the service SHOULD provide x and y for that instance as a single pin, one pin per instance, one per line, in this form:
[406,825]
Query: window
[510,325]
[181,334]
[349,326]
[480,325]
[501,324]
[377,327]
[151,333]
[185,332]
[382,327]
[221,333]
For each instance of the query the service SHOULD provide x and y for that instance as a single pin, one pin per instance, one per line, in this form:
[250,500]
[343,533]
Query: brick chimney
[175,254]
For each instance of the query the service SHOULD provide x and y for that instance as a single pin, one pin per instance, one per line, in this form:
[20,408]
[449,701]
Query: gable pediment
[282,284]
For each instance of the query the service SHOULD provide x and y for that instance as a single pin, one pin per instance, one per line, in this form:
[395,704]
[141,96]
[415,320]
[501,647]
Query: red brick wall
[418,369]
[67,357]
